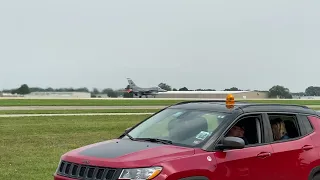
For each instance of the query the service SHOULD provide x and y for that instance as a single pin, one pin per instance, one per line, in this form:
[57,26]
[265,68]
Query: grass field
[30,148]
[125,102]
[78,111]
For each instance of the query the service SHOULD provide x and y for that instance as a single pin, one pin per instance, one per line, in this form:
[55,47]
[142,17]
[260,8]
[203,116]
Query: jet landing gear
[144,95]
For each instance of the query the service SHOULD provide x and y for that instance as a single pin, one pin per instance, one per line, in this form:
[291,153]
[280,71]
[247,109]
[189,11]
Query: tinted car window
[307,124]
[284,126]
[181,126]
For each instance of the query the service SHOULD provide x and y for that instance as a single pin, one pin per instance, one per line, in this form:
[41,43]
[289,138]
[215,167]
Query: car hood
[122,153]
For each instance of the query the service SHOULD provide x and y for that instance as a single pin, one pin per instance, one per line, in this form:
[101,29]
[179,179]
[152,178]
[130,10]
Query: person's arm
[285,137]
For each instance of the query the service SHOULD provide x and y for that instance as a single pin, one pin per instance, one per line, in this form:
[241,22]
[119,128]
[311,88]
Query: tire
[316,176]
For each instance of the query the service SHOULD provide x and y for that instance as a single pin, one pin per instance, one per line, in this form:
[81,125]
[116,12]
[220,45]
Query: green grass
[125,102]
[30,147]
[78,111]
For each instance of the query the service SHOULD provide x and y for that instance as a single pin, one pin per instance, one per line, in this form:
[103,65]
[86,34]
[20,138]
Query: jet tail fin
[131,83]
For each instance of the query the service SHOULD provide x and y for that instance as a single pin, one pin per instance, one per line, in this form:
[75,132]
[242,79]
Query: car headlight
[140,173]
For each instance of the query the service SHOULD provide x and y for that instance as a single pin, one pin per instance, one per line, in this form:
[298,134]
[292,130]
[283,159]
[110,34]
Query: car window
[307,124]
[249,128]
[184,127]
[284,126]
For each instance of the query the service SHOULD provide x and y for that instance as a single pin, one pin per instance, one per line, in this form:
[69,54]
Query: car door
[292,156]
[250,163]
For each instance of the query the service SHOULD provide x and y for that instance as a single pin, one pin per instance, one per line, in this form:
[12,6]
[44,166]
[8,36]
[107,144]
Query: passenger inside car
[279,129]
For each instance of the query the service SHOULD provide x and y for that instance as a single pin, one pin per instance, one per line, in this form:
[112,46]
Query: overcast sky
[198,44]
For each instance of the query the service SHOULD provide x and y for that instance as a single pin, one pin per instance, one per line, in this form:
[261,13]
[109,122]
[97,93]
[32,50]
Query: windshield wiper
[155,140]
[130,137]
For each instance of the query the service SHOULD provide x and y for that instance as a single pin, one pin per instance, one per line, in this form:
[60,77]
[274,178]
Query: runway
[75,107]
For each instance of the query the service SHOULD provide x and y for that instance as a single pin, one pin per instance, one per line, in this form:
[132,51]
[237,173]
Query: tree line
[277,91]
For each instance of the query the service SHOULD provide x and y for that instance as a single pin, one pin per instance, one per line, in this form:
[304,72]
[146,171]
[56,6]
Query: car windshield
[178,127]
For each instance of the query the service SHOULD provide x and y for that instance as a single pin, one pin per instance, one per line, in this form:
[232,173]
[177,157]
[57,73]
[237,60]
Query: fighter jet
[138,91]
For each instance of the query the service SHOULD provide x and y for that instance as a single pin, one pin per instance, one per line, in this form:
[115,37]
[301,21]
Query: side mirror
[231,143]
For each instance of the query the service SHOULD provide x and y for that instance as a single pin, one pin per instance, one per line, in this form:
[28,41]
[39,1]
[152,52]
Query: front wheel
[316,176]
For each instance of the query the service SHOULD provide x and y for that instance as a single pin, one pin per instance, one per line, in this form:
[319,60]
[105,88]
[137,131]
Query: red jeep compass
[202,140]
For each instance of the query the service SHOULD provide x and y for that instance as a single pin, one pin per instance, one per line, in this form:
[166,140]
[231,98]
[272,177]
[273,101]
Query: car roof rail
[198,101]
[241,103]
[273,104]
[210,101]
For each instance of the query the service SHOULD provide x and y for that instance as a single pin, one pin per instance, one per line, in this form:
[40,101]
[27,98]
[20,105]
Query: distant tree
[165,86]
[184,89]
[95,91]
[232,89]
[65,90]
[23,89]
[36,89]
[49,89]
[110,92]
[312,91]
[14,91]
[7,91]
[205,90]
[174,89]
[83,89]
[281,92]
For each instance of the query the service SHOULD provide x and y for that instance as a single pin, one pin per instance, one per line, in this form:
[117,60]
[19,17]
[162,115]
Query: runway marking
[78,114]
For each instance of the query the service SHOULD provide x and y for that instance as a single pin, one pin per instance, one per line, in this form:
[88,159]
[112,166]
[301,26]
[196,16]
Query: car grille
[86,172]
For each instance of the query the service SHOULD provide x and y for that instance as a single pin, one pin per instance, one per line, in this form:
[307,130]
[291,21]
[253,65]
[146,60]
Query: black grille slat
[110,174]
[90,172]
[95,172]
[61,167]
[74,170]
[82,171]
[86,172]
[99,174]
[67,168]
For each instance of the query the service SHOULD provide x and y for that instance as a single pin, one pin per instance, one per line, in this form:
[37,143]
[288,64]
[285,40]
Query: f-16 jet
[139,91]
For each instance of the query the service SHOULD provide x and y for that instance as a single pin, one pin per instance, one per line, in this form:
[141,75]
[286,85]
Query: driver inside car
[238,130]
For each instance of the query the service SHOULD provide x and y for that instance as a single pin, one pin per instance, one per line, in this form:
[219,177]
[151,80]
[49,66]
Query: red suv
[202,140]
